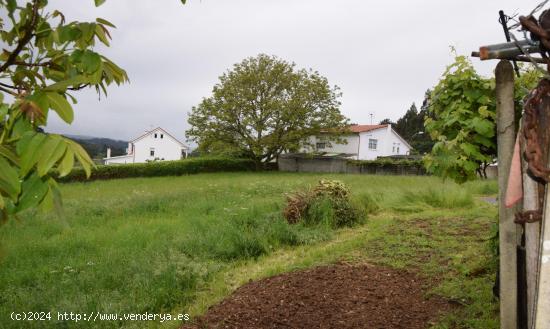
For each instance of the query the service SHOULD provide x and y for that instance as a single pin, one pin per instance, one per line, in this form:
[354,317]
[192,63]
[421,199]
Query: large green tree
[45,60]
[461,121]
[265,106]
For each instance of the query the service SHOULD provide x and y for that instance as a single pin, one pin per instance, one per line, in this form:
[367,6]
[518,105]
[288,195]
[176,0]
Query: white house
[365,142]
[154,145]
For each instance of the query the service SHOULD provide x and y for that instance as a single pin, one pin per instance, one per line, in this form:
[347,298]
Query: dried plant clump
[296,206]
[328,201]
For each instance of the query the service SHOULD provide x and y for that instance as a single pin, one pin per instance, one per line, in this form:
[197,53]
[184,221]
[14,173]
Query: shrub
[166,168]
[329,203]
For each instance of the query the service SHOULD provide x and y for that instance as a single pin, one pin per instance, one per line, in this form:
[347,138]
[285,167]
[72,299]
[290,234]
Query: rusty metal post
[507,228]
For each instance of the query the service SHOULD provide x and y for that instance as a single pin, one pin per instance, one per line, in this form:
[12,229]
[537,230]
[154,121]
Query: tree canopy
[462,120]
[265,106]
[45,60]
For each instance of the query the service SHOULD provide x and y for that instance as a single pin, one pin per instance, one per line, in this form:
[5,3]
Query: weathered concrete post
[507,228]
[532,239]
[542,320]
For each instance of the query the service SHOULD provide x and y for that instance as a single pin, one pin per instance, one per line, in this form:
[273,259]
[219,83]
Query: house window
[321,146]
[396,147]
[161,136]
[155,135]
[152,151]
[373,143]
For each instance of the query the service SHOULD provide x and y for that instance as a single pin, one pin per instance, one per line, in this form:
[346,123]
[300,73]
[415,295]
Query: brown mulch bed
[337,296]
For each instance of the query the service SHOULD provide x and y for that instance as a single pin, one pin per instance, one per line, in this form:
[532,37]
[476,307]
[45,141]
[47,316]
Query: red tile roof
[365,128]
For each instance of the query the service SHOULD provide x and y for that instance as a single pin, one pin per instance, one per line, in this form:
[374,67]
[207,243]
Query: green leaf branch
[44,61]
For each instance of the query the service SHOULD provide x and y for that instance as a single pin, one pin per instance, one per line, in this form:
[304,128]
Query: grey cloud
[383,55]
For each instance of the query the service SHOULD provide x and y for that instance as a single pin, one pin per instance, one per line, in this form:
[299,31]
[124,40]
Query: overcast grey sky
[382,54]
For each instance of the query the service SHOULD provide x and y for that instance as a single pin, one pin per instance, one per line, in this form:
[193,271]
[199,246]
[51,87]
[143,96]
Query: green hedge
[165,168]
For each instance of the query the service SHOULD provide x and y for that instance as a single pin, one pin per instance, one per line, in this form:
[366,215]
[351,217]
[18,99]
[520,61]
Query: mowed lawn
[180,244]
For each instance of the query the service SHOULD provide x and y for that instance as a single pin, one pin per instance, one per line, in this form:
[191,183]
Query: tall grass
[482,187]
[147,244]
[439,198]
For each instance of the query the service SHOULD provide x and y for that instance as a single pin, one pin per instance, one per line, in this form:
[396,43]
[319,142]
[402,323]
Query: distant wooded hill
[97,146]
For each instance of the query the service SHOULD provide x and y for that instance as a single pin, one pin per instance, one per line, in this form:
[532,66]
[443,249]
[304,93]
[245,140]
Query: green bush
[165,168]
[329,203]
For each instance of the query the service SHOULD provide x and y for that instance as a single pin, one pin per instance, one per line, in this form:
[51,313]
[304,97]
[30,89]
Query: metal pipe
[519,58]
[511,44]
[511,52]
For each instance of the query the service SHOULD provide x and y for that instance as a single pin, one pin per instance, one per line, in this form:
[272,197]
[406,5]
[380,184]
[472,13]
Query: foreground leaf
[33,191]
[9,179]
[60,105]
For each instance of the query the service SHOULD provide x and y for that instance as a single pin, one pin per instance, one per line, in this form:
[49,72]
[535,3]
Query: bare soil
[336,296]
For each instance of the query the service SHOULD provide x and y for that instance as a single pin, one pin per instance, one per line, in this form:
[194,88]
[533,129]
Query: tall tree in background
[408,125]
[264,106]
[45,60]
[387,121]
[423,143]
[411,127]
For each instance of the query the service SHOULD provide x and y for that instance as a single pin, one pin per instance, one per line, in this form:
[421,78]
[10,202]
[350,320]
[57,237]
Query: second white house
[364,142]
[155,145]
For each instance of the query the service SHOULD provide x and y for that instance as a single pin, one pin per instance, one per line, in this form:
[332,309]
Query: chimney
[108,152]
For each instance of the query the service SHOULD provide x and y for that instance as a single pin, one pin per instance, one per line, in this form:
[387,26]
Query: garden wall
[322,164]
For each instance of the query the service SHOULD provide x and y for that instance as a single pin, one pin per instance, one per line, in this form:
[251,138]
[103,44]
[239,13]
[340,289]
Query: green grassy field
[180,244]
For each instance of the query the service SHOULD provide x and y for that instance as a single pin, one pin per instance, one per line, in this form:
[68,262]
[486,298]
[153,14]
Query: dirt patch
[338,296]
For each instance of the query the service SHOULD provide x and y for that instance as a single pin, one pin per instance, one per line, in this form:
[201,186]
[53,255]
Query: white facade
[366,142]
[154,145]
